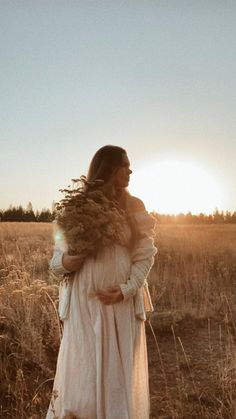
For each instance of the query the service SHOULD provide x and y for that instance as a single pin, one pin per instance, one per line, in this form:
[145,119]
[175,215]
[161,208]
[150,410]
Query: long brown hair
[104,165]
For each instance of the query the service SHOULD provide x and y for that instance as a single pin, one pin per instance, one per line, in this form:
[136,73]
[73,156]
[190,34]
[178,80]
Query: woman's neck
[121,197]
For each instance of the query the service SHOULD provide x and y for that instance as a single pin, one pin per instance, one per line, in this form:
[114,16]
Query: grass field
[191,336]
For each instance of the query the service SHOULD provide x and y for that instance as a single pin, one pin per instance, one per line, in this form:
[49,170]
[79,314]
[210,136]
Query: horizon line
[216,210]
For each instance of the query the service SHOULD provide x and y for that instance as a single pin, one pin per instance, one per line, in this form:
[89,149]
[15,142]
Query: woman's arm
[143,254]
[56,264]
[137,278]
[61,262]
[73,263]
[142,262]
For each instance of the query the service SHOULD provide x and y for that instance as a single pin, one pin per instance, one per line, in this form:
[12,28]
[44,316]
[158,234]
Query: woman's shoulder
[135,204]
[136,208]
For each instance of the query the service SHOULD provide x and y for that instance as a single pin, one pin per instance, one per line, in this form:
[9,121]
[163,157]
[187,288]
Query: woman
[102,370]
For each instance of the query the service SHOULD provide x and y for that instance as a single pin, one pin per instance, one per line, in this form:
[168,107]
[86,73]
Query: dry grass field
[191,336]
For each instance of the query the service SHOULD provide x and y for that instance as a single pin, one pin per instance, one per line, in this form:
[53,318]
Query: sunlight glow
[171,187]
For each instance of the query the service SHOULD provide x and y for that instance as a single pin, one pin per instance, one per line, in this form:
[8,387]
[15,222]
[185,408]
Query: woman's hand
[111,295]
[73,263]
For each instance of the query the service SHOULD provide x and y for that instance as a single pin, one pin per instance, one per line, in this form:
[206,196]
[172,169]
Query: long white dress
[102,369]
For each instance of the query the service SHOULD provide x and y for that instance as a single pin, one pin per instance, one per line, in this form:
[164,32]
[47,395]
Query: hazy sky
[155,77]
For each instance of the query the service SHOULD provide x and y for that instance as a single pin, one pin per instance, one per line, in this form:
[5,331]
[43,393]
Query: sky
[154,77]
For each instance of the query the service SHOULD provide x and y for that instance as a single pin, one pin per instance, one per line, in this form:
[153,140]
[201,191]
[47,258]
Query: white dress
[102,369]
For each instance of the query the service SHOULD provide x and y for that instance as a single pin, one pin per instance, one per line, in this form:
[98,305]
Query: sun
[174,186]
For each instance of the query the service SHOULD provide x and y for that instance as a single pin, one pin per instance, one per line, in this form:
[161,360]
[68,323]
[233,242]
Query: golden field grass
[192,354]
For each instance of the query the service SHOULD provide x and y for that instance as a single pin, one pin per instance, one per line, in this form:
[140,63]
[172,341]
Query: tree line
[18,213]
[218,217]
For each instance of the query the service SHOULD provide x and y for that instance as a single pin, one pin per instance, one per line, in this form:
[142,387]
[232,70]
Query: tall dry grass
[193,283]
[195,270]
[194,276]
[29,329]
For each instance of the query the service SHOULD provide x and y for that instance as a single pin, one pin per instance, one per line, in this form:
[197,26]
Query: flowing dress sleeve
[60,247]
[65,284]
[142,261]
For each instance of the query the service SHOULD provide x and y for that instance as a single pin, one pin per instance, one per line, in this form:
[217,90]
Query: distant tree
[233,217]
[210,219]
[14,214]
[218,217]
[53,206]
[202,218]
[228,217]
[29,213]
[189,217]
[37,215]
[45,216]
[29,207]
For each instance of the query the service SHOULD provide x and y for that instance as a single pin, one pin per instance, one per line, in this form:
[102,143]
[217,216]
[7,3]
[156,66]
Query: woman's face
[122,173]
